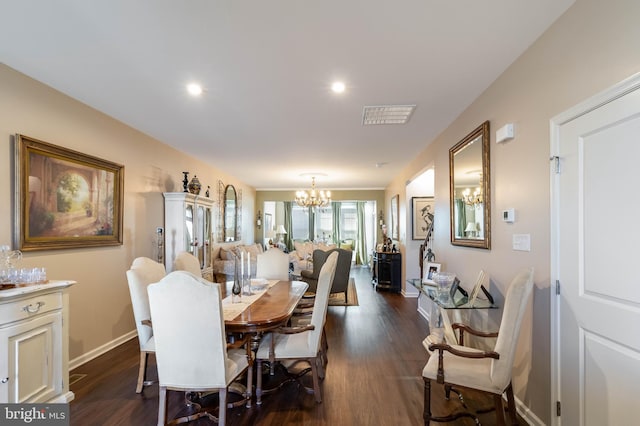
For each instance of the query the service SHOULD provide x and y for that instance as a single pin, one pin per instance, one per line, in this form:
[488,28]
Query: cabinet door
[30,364]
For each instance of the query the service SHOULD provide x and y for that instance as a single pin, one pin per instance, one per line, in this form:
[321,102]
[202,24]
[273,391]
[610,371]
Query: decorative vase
[236,290]
[185,182]
[194,185]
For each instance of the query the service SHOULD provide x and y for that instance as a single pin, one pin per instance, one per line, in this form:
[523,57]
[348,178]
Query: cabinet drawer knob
[5,380]
[32,309]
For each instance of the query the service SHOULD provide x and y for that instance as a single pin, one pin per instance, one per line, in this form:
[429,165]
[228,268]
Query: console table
[387,271]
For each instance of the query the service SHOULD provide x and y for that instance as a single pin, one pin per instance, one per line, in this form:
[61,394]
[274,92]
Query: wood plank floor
[373,376]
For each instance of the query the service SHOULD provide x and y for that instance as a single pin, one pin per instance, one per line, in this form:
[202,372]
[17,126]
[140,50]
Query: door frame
[606,96]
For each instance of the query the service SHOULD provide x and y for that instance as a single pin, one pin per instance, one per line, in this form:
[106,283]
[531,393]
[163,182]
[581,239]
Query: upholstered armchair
[144,271]
[340,281]
[487,371]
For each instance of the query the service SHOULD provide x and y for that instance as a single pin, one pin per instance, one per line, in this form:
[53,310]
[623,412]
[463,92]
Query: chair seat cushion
[286,346]
[468,372]
[149,345]
[236,363]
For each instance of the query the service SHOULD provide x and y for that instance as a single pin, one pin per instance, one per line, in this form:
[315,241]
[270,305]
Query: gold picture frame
[64,198]
[395,213]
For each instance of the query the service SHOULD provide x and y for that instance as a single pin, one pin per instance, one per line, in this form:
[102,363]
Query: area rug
[337,299]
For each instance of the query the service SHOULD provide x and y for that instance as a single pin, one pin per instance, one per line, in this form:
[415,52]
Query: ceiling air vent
[386,114]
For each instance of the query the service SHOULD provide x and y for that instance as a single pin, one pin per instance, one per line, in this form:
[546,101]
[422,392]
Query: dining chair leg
[259,382]
[249,383]
[497,399]
[142,371]
[162,406]
[511,406]
[316,380]
[427,402]
[222,411]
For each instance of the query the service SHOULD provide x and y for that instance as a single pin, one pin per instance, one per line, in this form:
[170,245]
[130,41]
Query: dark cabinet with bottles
[387,271]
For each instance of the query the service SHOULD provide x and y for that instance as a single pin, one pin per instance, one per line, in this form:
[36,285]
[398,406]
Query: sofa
[223,256]
[301,258]
[340,281]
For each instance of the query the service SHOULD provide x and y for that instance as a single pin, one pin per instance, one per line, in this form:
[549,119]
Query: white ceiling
[268,115]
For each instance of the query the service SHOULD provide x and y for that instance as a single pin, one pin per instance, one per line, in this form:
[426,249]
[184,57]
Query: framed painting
[422,217]
[395,206]
[64,198]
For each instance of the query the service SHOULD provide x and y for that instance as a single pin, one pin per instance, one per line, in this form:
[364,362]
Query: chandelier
[313,198]
[472,199]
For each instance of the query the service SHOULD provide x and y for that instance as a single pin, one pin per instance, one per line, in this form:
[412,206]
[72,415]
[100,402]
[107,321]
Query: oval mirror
[230,213]
[470,200]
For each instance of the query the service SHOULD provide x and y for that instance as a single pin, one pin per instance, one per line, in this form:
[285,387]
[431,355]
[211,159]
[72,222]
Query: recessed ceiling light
[387,114]
[194,89]
[338,87]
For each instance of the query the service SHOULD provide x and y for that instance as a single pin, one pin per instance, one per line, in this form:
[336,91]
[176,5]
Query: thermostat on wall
[508,215]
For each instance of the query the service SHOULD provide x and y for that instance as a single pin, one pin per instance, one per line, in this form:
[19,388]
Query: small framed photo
[429,270]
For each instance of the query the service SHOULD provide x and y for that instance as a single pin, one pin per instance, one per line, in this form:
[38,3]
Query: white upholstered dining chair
[273,264]
[143,272]
[301,343]
[486,371]
[186,261]
[191,347]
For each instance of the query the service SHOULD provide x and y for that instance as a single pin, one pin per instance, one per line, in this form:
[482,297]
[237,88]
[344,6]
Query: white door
[596,259]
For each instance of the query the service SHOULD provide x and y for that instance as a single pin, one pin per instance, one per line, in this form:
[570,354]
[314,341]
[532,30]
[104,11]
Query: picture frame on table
[429,270]
[64,198]
[421,216]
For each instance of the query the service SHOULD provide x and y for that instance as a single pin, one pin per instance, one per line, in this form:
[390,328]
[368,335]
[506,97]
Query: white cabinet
[188,227]
[34,344]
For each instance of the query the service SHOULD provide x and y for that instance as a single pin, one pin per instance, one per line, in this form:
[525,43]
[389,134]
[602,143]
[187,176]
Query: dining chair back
[143,272]
[186,261]
[191,347]
[273,264]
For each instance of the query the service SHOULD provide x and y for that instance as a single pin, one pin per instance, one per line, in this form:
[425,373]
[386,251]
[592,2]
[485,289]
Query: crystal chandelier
[313,198]
[472,199]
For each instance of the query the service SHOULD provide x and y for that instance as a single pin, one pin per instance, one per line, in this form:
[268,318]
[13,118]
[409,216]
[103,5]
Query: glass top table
[458,301]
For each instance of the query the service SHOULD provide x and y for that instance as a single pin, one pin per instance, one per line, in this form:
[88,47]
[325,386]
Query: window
[299,223]
[348,221]
[323,224]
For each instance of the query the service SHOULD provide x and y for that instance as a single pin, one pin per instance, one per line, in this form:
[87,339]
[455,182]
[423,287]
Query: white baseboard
[86,357]
[527,415]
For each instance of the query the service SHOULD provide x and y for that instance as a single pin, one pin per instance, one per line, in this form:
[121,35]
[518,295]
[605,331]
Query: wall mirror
[230,212]
[469,190]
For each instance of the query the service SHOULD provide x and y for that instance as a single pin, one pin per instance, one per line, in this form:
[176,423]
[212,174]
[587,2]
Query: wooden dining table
[272,310]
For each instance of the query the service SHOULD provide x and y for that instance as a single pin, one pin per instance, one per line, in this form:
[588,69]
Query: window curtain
[288,225]
[311,214]
[335,208]
[361,241]
[461,219]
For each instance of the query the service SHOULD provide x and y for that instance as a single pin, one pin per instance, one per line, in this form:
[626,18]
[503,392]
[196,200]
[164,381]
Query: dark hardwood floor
[373,376]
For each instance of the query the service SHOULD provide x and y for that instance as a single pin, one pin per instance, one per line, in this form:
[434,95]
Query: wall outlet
[522,242]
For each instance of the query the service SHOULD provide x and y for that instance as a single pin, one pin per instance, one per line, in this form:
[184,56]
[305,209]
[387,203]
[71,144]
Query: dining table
[270,306]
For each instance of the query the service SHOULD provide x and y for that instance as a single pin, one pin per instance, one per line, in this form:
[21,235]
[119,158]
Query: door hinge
[558,287]
[558,409]
[555,164]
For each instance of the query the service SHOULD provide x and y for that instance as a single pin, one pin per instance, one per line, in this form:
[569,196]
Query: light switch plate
[522,242]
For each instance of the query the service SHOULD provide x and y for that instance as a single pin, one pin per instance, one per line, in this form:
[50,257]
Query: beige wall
[594,45]
[100,304]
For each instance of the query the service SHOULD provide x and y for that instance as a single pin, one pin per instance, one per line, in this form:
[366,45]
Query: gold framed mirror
[230,213]
[469,190]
